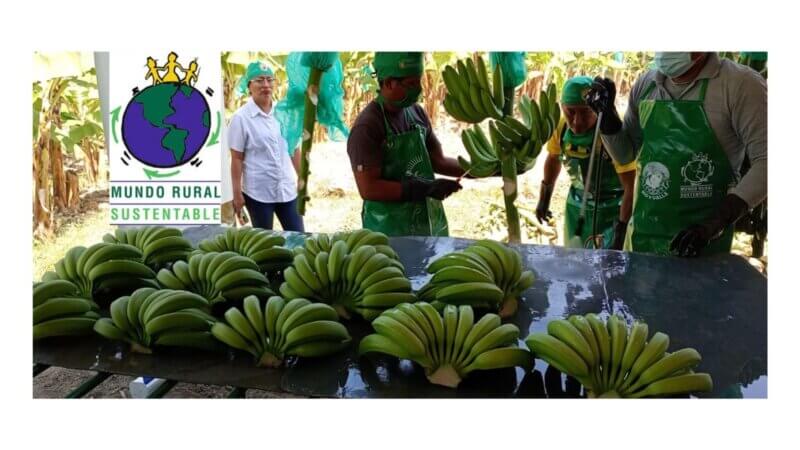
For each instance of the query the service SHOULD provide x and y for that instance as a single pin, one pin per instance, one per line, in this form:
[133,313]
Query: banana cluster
[448,346]
[104,268]
[353,239]
[159,245]
[509,136]
[611,363]
[59,310]
[265,247]
[218,277]
[166,317]
[470,97]
[487,274]
[364,281]
[284,328]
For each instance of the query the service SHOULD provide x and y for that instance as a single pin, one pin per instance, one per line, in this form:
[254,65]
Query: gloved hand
[415,189]
[543,207]
[696,237]
[620,228]
[601,99]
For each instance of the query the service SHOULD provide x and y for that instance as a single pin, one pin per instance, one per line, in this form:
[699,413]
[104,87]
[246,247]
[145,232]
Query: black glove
[415,189]
[601,99]
[620,228]
[694,238]
[543,207]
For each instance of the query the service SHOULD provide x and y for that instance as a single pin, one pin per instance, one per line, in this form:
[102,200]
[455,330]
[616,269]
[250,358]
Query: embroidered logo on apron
[655,180]
[697,173]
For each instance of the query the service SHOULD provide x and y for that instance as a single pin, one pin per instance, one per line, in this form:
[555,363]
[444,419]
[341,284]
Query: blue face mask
[673,64]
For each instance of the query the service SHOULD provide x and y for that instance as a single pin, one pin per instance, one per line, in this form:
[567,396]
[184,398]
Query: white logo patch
[655,181]
[697,173]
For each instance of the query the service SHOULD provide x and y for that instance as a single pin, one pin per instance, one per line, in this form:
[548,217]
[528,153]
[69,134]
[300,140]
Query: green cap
[574,90]
[398,64]
[754,56]
[254,69]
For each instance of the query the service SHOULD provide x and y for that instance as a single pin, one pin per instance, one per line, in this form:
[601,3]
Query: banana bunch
[364,281]
[166,317]
[611,363]
[59,310]
[487,274]
[448,346]
[265,247]
[284,328]
[159,245]
[104,268]
[483,160]
[510,136]
[218,277]
[324,243]
[470,97]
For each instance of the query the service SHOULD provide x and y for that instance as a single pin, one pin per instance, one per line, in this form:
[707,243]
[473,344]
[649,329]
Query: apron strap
[701,98]
[703,88]
[386,126]
[647,91]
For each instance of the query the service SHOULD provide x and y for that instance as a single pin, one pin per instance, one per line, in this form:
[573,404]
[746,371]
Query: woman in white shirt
[263,171]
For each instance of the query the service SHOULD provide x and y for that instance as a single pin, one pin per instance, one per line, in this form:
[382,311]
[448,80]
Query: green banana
[63,326]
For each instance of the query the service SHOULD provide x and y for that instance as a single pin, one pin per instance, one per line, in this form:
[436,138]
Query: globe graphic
[166,125]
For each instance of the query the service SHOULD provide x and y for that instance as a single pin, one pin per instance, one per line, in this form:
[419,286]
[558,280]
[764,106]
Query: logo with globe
[166,124]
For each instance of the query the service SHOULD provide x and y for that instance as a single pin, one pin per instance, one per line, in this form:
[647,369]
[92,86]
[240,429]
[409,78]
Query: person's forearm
[552,167]
[381,190]
[447,166]
[628,180]
[236,175]
[622,146]
[752,188]
[296,161]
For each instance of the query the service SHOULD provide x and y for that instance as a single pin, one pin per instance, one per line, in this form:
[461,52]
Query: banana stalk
[309,120]
[508,169]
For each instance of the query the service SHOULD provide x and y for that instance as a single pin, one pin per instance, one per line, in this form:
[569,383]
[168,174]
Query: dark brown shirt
[368,133]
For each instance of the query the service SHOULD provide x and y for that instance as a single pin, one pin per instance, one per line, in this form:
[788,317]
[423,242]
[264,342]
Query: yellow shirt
[554,148]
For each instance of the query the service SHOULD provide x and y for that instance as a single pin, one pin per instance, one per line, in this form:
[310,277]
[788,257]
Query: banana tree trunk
[508,169]
[42,202]
[309,120]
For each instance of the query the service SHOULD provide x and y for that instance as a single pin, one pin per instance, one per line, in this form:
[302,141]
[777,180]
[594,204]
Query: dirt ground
[474,212]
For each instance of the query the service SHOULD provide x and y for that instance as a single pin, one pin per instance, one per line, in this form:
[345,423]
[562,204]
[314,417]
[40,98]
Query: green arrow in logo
[114,119]
[155,174]
[215,136]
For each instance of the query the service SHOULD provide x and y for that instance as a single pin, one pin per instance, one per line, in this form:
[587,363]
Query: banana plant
[318,63]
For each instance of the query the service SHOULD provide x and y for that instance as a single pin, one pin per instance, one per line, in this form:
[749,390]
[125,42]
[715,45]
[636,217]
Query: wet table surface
[717,305]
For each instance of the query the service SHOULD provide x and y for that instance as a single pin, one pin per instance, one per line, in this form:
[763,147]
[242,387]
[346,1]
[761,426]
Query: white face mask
[673,64]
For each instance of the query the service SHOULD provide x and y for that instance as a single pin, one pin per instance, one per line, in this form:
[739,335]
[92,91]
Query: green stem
[309,119]
[139,348]
[445,376]
[508,307]
[508,169]
[267,359]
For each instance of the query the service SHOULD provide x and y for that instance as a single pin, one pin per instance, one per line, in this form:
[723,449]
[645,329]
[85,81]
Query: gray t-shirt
[368,134]
[736,106]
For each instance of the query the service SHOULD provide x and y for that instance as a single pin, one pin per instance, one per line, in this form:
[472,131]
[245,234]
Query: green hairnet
[574,90]
[754,56]
[254,69]
[398,64]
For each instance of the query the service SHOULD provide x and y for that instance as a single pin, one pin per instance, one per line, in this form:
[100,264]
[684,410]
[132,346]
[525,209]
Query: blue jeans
[261,214]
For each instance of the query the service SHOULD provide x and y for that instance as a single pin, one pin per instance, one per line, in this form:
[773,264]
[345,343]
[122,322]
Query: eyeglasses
[263,80]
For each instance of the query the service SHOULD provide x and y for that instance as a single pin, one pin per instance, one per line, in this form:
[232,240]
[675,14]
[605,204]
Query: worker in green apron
[607,207]
[687,193]
[394,155]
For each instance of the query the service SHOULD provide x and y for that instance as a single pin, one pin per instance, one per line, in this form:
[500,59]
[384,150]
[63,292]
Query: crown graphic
[168,73]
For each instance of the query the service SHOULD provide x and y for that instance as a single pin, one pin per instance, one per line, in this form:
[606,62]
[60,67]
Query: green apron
[682,174]
[606,205]
[405,154]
